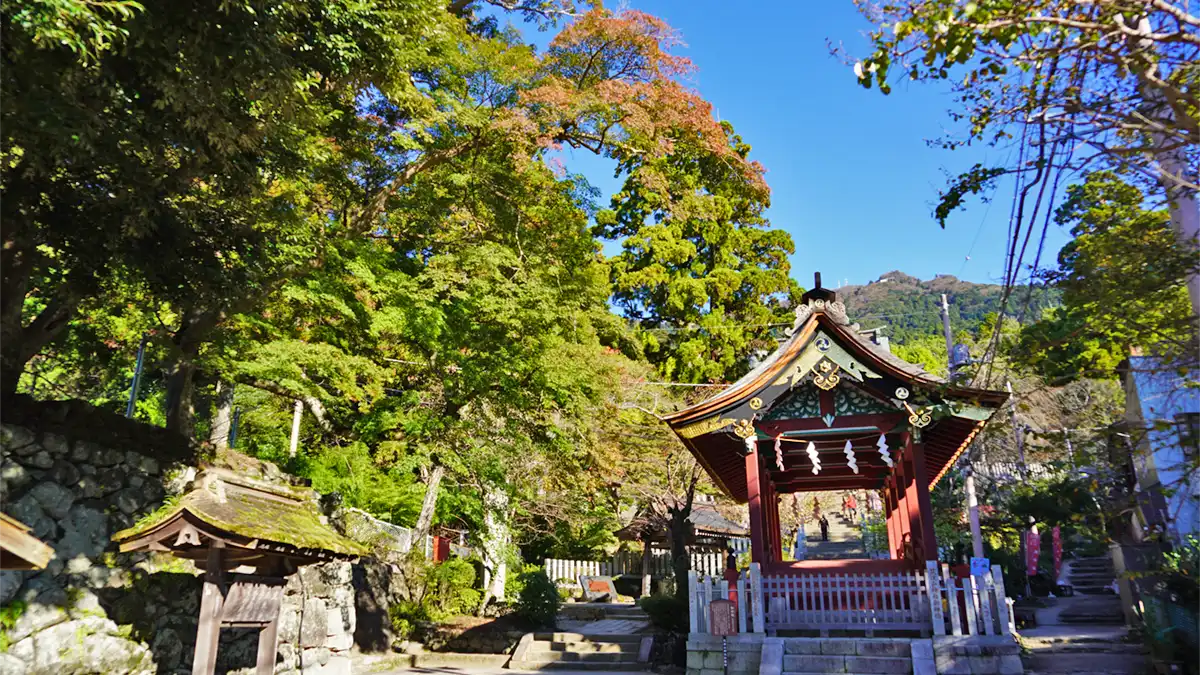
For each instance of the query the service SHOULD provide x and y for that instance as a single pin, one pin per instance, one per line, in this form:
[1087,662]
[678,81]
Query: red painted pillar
[903,475]
[754,497]
[912,505]
[889,508]
[771,519]
[927,538]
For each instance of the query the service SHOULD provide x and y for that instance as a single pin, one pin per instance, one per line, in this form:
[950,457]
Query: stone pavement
[604,626]
[485,670]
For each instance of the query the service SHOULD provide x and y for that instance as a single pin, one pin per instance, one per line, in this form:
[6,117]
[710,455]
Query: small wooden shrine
[832,409]
[250,536]
[20,550]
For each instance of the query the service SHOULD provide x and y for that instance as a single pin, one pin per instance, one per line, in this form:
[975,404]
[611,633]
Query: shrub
[538,601]
[666,612]
[405,615]
[453,583]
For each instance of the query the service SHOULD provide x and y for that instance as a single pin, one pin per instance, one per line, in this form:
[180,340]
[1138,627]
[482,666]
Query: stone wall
[74,494]
[704,655]
[95,610]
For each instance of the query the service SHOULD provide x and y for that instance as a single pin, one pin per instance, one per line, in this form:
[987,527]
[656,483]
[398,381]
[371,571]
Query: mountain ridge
[909,308]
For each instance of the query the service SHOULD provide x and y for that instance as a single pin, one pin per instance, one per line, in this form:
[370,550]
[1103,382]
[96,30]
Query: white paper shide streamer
[850,461]
[883,450]
[816,460]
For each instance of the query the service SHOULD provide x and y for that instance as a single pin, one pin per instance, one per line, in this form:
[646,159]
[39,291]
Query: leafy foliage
[1123,280]
[538,601]
[667,612]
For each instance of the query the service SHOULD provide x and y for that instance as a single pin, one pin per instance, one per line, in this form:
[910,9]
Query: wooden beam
[883,422]
[903,472]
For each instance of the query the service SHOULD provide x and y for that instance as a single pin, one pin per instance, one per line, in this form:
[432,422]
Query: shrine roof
[825,350]
[20,550]
[705,519]
[244,513]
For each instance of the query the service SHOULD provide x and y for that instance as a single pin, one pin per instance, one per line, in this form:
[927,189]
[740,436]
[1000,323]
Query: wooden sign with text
[722,618]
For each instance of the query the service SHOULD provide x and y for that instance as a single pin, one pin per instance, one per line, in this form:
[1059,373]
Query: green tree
[701,271]
[1123,282]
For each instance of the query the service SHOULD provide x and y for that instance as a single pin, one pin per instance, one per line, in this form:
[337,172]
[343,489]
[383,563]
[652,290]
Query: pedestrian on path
[824,529]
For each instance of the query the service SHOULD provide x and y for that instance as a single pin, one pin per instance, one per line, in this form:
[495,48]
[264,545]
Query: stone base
[705,657]
[977,655]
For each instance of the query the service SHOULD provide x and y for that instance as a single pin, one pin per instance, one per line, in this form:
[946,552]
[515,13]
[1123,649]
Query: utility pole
[972,500]
[137,378]
[297,412]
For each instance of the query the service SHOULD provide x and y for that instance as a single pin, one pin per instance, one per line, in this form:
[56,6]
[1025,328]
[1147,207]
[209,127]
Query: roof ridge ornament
[821,300]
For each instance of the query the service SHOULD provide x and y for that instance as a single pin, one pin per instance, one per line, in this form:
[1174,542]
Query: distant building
[1163,418]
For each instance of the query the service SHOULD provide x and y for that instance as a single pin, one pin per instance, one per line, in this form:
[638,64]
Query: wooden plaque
[722,617]
[598,589]
[252,600]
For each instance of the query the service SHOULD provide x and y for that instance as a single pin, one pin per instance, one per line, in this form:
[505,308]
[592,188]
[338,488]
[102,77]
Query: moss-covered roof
[253,510]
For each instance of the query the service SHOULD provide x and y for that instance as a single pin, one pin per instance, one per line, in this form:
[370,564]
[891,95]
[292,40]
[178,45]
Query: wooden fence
[925,601]
[567,572]
[895,601]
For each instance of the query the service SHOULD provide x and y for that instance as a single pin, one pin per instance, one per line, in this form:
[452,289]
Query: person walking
[852,505]
[824,529]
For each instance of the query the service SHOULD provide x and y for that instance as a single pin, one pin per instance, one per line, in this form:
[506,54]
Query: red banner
[1057,534]
[1033,551]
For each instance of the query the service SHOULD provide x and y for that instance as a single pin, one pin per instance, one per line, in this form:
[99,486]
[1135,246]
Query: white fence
[567,572]
[859,602]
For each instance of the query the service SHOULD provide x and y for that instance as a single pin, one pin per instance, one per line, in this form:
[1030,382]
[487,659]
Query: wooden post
[267,648]
[1002,601]
[212,601]
[756,597]
[757,531]
[647,559]
[924,506]
[693,602]
[934,589]
[952,603]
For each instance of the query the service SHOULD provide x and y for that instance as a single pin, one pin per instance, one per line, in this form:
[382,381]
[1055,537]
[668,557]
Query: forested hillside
[910,308]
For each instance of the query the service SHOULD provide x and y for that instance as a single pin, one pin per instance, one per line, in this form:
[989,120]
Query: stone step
[578,657]
[848,647]
[818,663]
[585,647]
[1092,590]
[1081,662]
[576,665]
[580,637]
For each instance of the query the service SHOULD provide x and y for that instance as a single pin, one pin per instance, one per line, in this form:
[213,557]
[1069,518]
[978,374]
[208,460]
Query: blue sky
[851,176]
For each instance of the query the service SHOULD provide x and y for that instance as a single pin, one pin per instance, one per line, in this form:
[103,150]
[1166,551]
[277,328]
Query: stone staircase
[845,540]
[576,651]
[1083,654]
[1094,602]
[862,656]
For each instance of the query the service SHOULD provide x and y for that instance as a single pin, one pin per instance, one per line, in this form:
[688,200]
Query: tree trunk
[425,519]
[681,564]
[20,343]
[218,434]
[180,412]
[495,543]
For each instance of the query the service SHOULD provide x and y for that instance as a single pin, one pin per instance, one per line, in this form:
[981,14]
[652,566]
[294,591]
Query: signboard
[980,567]
[722,618]
[598,589]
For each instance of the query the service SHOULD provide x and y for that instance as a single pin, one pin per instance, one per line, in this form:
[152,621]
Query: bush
[453,587]
[666,612]
[405,615]
[538,601]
